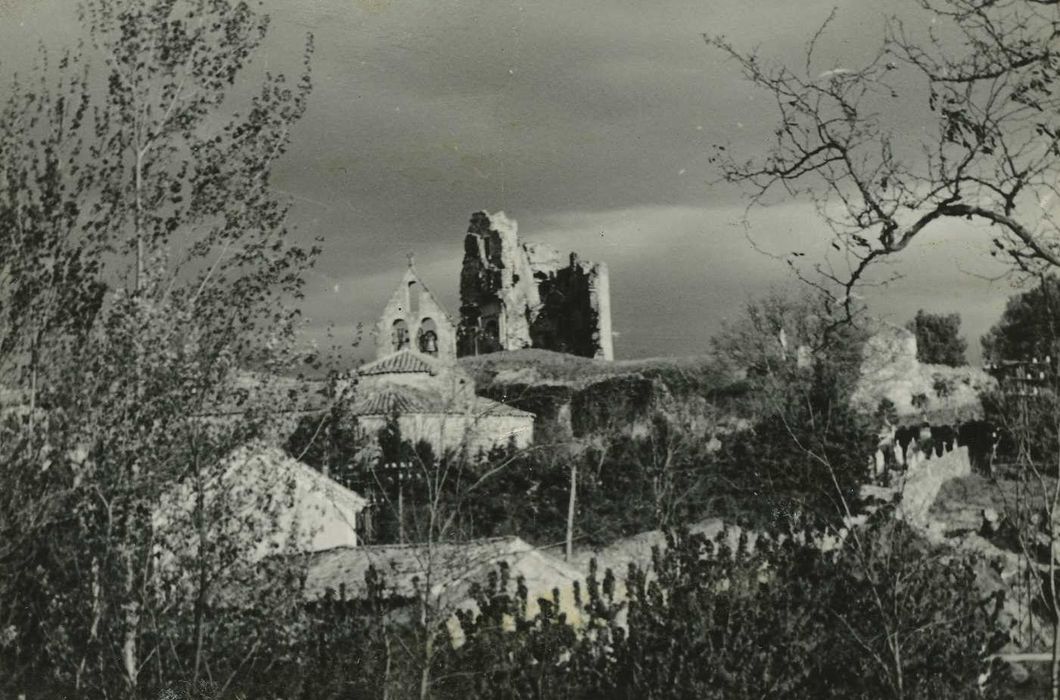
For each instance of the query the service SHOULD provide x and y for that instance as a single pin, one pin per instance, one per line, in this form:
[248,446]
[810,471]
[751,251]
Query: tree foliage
[1029,327]
[883,615]
[805,450]
[938,339]
[145,271]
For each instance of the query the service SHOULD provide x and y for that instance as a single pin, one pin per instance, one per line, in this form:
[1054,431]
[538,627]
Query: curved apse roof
[407,400]
[401,362]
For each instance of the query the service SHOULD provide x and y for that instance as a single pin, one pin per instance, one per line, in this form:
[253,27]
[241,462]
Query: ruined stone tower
[525,295]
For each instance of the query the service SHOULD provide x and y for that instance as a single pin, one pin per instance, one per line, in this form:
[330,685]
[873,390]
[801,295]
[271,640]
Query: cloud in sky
[590,122]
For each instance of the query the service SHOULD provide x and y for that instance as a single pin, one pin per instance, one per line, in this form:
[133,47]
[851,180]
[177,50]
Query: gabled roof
[401,362]
[279,504]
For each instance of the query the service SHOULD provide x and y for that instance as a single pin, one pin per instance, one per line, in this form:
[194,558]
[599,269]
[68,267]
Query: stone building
[415,375]
[524,295]
[275,504]
[413,320]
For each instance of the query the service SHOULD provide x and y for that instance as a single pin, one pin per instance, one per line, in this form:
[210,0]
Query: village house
[339,576]
[268,502]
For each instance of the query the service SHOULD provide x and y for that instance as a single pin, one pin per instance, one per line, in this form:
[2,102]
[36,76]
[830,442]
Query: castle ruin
[527,295]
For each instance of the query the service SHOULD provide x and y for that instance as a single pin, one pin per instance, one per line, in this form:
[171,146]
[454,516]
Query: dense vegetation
[779,616]
[146,265]
[1029,326]
[938,339]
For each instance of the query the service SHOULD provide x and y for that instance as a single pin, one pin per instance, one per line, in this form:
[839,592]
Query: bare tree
[986,72]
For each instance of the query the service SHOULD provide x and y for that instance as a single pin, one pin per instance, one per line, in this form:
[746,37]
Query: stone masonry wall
[520,295]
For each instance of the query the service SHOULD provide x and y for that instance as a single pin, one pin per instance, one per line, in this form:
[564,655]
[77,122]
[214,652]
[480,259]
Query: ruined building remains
[527,295]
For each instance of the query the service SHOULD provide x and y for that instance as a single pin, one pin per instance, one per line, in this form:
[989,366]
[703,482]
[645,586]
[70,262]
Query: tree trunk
[427,622]
[200,599]
[386,664]
[570,510]
[1054,674]
[401,511]
[93,633]
[129,652]
[1055,670]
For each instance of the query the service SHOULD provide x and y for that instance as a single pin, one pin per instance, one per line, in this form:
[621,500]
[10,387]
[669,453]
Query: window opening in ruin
[399,336]
[428,337]
[492,328]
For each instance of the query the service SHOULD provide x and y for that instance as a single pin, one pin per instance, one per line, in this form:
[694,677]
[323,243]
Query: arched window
[399,335]
[428,340]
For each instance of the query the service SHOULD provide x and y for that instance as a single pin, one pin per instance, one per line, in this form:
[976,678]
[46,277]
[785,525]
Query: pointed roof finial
[412,259]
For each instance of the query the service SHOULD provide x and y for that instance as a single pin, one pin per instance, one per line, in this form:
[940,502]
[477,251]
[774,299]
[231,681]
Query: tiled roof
[406,400]
[402,361]
[401,399]
[452,566]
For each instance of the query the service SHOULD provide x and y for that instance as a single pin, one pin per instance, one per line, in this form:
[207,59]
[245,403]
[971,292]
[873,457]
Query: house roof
[452,568]
[401,362]
[384,401]
[277,502]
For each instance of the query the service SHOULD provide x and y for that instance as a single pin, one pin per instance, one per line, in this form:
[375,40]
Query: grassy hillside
[579,396]
[544,367]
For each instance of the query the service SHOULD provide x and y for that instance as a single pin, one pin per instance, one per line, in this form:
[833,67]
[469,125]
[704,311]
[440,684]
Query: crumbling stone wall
[520,295]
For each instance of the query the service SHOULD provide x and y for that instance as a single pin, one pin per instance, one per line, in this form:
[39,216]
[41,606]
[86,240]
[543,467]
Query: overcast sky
[589,122]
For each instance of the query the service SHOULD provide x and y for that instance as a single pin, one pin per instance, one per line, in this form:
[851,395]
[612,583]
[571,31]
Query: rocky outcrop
[522,295]
[948,504]
[920,486]
[919,393]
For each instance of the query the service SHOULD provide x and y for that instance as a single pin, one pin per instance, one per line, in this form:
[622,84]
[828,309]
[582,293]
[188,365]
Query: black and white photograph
[529,349]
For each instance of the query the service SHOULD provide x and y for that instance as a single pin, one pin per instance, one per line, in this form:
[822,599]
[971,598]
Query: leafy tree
[938,339]
[883,614]
[806,450]
[1029,327]
[527,499]
[146,286]
[1029,426]
[333,442]
[986,72]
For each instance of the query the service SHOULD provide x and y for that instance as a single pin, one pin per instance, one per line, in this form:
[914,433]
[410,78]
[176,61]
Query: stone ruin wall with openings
[524,295]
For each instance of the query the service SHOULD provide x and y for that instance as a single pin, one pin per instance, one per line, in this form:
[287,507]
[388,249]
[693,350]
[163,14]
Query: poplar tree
[146,267]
